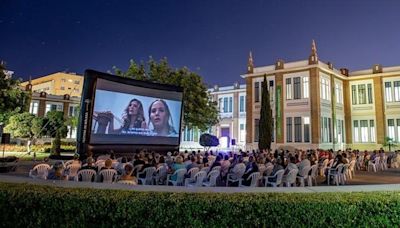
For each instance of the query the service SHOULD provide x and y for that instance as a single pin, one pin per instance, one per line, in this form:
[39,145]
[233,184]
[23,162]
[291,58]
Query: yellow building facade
[318,106]
[59,83]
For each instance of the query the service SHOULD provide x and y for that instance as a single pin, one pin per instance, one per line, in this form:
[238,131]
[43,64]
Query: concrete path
[71,184]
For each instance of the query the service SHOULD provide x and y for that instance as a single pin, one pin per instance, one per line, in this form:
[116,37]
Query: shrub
[25,205]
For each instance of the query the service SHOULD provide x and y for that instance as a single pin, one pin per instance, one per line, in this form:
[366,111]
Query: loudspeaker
[5,138]
[233,142]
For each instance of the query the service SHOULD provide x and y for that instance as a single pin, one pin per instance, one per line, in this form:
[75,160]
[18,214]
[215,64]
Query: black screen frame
[87,107]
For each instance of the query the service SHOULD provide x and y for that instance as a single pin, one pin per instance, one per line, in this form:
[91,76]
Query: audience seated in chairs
[177,165]
[127,174]
[57,172]
[251,167]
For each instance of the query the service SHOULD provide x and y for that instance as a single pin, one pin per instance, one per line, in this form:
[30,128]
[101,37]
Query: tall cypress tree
[265,125]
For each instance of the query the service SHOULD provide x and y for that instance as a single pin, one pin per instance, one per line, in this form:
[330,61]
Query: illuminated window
[306,87]
[288,89]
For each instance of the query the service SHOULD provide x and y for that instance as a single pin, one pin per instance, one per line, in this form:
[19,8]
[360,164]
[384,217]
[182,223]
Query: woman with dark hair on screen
[133,117]
[160,119]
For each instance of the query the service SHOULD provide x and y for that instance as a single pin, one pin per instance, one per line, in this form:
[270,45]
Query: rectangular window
[225,105]
[325,89]
[372,130]
[342,124]
[271,91]
[296,88]
[369,86]
[242,133]
[362,96]
[256,127]
[326,131]
[273,130]
[391,132]
[355,130]
[306,88]
[230,104]
[34,107]
[339,131]
[288,89]
[328,89]
[339,93]
[62,88]
[289,129]
[76,82]
[398,130]
[306,121]
[388,91]
[396,90]
[297,129]
[364,130]
[354,94]
[242,104]
[330,129]
[257,92]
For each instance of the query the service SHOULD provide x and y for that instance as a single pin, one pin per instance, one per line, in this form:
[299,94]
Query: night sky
[211,37]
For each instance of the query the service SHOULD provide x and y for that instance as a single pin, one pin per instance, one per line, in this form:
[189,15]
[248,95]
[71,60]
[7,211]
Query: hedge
[26,205]
[36,148]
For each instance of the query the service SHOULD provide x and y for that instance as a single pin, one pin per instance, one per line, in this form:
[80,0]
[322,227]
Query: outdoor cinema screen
[132,114]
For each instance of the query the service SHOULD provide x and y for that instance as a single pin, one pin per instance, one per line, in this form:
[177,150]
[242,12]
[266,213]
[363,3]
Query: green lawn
[24,156]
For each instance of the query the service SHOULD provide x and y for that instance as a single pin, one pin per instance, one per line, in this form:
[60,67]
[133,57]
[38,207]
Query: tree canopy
[265,126]
[13,100]
[20,125]
[199,110]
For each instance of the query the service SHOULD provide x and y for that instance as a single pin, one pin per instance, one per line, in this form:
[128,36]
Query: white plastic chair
[160,175]
[191,173]
[197,181]
[303,175]
[254,180]
[360,162]
[73,170]
[86,175]
[137,168]
[149,171]
[383,162]
[216,168]
[313,176]
[180,175]
[351,170]
[290,179]
[343,174]
[67,163]
[206,169]
[278,179]
[40,171]
[268,170]
[373,164]
[108,175]
[323,167]
[335,173]
[236,177]
[211,180]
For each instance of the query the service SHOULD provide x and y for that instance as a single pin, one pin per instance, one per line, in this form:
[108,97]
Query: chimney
[344,71]
[280,64]
[330,65]
[377,68]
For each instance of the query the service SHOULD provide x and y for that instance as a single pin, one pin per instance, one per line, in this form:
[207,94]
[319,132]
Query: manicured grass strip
[27,205]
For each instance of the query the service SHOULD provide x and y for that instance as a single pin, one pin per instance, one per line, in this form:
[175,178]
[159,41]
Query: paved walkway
[72,184]
[388,180]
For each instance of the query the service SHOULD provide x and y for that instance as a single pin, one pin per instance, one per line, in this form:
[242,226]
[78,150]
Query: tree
[55,126]
[265,125]
[199,110]
[13,100]
[20,125]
